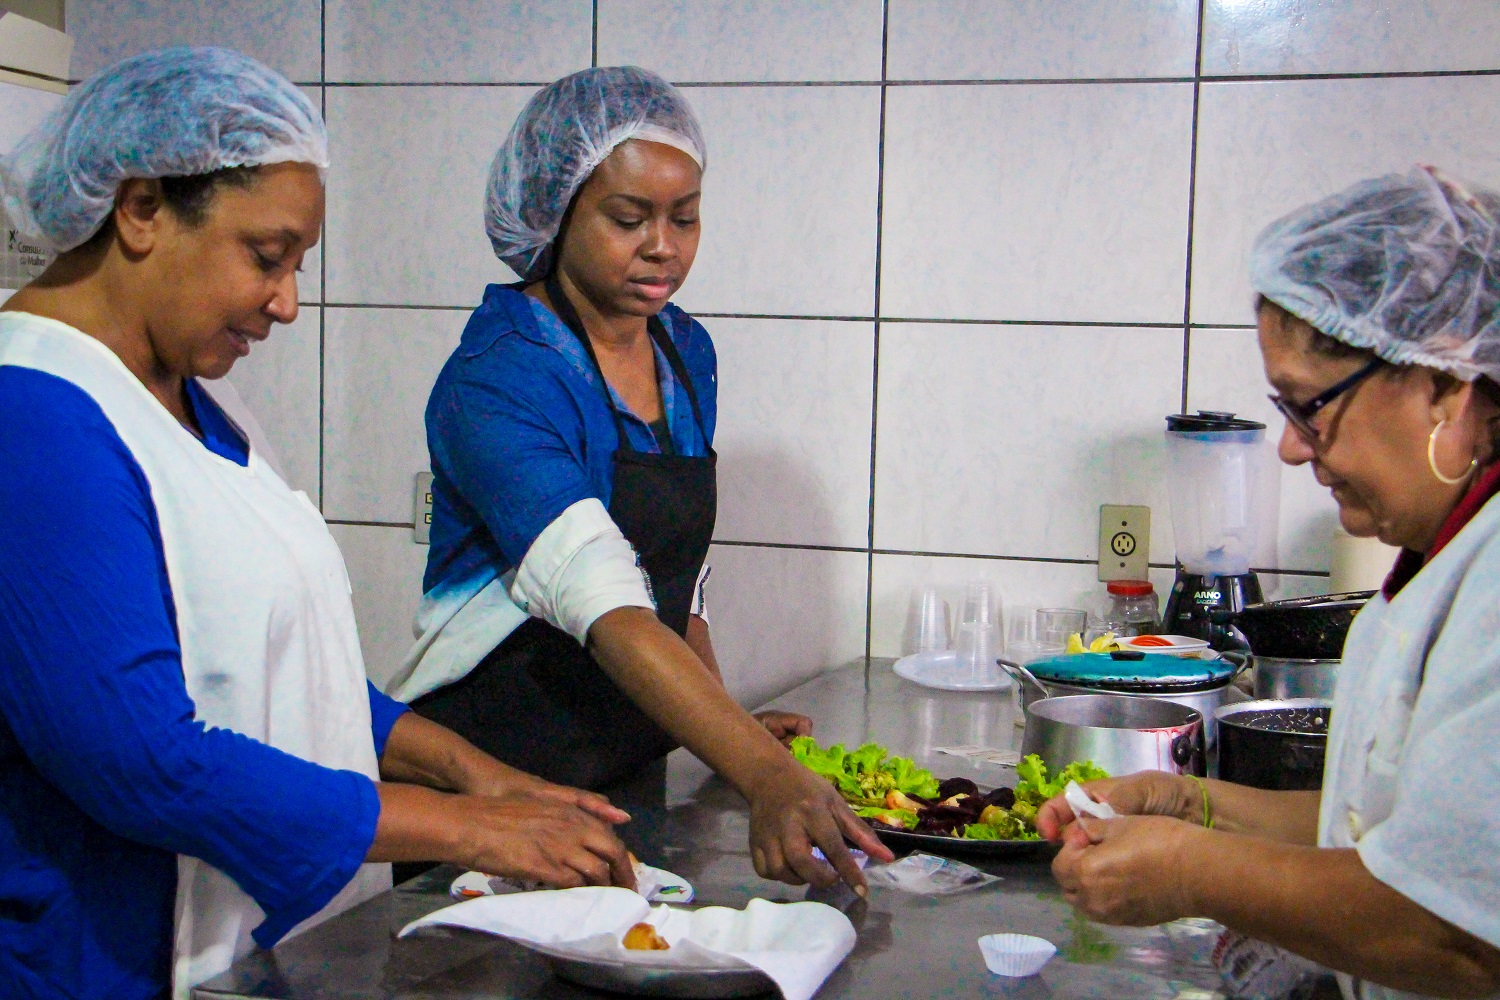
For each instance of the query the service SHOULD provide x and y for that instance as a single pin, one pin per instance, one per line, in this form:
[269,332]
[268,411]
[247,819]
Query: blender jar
[1216,467]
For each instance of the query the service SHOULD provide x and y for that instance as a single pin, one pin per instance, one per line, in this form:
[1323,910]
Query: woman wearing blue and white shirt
[563,628]
[191,760]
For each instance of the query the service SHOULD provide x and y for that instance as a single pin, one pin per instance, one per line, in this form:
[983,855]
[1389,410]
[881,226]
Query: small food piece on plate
[1149,640]
[898,800]
[643,937]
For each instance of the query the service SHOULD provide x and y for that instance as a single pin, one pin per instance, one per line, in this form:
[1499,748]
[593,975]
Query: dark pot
[1276,745]
[1308,628]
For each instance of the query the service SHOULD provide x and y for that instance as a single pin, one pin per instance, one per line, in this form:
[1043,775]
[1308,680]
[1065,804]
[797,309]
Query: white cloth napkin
[798,945]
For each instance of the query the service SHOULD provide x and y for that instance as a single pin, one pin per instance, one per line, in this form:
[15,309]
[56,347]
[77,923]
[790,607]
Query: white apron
[264,616]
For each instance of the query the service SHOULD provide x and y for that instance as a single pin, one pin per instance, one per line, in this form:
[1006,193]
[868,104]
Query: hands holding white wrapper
[797,945]
[1082,805]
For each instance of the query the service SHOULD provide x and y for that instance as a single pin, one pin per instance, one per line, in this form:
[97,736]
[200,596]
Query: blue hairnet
[172,113]
[1406,265]
[563,133]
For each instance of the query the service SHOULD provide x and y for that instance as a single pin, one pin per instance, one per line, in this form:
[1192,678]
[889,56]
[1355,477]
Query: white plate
[1180,644]
[656,884]
[941,670]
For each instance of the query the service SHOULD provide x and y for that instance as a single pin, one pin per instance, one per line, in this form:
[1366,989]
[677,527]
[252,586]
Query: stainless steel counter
[690,822]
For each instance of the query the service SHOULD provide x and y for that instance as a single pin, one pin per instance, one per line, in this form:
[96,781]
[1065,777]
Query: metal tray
[656,980]
[932,843]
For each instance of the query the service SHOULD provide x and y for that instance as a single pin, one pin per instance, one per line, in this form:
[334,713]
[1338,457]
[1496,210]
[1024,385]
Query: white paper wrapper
[928,875]
[796,944]
[1082,805]
[1016,954]
[657,885]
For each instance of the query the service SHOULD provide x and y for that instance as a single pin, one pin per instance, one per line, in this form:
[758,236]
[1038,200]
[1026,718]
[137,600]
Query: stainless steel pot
[1280,678]
[1120,733]
[1205,701]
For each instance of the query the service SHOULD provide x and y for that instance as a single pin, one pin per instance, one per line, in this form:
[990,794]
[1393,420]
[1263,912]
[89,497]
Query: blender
[1220,487]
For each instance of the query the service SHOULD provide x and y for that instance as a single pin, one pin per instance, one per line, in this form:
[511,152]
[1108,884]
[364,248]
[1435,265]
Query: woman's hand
[502,782]
[785,726]
[1149,793]
[795,810]
[1128,870]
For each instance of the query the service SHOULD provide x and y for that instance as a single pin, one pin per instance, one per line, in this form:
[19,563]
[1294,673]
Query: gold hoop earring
[1432,459]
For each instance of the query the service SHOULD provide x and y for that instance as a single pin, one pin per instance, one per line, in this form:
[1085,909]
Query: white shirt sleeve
[579,568]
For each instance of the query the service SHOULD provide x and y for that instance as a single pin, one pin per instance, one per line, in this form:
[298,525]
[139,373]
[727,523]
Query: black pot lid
[1209,421]
[1151,670]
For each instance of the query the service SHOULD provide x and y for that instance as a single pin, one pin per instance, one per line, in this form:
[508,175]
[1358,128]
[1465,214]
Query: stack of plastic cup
[932,623]
[977,643]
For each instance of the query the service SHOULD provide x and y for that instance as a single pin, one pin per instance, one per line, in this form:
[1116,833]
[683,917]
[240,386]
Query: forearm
[661,674]
[1324,904]
[421,752]
[1289,817]
[415,825]
[701,644]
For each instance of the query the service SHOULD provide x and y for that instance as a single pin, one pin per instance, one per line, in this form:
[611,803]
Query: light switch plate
[1124,542]
[421,509]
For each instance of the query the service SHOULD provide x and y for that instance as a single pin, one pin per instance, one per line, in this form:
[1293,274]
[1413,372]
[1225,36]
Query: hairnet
[171,113]
[563,133]
[1406,265]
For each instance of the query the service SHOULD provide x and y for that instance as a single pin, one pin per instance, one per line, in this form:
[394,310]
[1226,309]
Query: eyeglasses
[1300,415]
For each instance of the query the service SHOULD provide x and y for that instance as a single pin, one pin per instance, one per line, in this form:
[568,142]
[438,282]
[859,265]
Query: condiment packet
[860,857]
[984,755]
[1083,805]
[928,875]
[1254,970]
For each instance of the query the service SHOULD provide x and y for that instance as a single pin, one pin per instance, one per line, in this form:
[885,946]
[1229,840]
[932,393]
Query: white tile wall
[385,570]
[469,41]
[728,40]
[1050,209]
[1349,36]
[1265,148]
[991,213]
[1041,40]
[281,33]
[1004,440]
[279,383]
[794,430]
[788,200]
[406,204]
[781,616]
[379,368]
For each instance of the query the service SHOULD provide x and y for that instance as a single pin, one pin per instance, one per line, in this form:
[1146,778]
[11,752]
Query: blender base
[1195,595]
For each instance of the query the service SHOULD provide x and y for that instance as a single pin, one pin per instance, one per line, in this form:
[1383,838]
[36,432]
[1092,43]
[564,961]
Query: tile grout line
[322,259]
[1192,198]
[594,37]
[885,32]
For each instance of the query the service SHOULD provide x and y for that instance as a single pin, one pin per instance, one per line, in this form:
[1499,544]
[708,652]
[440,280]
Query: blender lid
[1210,421]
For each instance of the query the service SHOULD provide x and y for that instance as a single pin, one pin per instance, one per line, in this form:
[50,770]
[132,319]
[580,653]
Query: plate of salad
[911,809]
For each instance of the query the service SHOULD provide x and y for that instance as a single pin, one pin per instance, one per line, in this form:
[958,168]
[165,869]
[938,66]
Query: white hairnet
[1406,265]
[172,113]
[563,133]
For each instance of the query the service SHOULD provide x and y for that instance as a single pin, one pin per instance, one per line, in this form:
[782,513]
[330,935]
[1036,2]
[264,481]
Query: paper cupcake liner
[1016,954]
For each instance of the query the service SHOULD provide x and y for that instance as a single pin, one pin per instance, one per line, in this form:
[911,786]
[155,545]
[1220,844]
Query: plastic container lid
[1143,672]
[1210,421]
[1130,588]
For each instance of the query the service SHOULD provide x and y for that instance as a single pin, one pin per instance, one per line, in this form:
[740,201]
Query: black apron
[539,701]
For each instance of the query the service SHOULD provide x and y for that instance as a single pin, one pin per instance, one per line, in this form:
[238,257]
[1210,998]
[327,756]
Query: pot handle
[1023,676]
[1240,658]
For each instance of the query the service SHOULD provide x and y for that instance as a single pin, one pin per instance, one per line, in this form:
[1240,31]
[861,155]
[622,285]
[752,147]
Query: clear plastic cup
[1054,625]
[977,639]
[932,622]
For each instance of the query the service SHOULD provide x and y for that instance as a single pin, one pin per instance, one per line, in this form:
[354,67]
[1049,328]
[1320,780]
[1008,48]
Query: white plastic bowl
[1016,955]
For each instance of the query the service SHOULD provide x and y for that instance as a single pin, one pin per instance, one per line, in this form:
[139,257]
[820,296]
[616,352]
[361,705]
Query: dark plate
[932,843]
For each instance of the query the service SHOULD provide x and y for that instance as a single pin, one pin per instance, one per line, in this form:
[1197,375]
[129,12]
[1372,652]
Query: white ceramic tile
[1041,39]
[724,40]
[21,110]
[1225,373]
[385,571]
[281,33]
[1005,440]
[1046,202]
[1019,586]
[457,41]
[406,195]
[379,368]
[794,430]
[279,383]
[1285,586]
[1349,36]
[788,201]
[310,281]
[1267,147]
[781,616]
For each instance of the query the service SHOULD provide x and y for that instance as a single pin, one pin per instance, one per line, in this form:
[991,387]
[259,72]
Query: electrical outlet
[421,509]
[1124,542]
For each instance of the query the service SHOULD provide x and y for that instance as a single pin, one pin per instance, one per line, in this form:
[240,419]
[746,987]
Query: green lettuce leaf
[906,816]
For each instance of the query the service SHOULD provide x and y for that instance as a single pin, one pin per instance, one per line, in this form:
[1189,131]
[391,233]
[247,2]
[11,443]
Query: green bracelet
[1208,814]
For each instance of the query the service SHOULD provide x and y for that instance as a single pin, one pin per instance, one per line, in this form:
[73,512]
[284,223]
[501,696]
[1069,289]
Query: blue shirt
[519,431]
[105,776]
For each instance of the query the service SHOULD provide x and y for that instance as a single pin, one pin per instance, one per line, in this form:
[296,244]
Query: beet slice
[956,786]
[1002,797]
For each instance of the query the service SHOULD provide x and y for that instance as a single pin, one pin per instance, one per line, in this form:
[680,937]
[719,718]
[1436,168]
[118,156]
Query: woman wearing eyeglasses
[1379,322]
